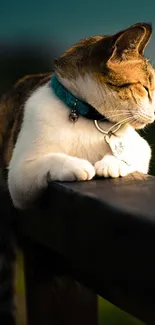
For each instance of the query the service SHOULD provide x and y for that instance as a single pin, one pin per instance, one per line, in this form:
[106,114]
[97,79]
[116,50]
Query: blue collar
[76,105]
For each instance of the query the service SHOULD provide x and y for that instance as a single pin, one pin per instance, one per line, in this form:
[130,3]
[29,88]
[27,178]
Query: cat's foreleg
[26,179]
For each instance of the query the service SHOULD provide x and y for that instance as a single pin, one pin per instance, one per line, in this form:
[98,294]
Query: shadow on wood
[53,295]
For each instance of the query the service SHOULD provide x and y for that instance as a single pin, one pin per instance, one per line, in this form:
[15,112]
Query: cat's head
[111,74]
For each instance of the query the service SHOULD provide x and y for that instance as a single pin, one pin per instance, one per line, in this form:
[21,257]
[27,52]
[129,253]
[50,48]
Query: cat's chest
[48,129]
[83,140]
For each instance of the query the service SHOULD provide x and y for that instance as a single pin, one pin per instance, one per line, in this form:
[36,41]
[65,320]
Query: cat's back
[12,111]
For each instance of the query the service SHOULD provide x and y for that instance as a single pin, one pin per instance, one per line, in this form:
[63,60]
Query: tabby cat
[80,121]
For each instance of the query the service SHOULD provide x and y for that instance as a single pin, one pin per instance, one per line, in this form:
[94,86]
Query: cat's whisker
[119,111]
[126,115]
[116,108]
[117,125]
[125,120]
[116,115]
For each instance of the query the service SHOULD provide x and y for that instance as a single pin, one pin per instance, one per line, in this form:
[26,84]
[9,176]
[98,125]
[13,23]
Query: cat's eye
[126,85]
[148,92]
[146,89]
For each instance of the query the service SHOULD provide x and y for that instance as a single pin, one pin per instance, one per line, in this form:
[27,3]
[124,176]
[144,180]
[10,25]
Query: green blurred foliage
[112,315]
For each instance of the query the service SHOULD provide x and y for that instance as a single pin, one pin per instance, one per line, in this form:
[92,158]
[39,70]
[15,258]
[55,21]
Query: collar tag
[118,147]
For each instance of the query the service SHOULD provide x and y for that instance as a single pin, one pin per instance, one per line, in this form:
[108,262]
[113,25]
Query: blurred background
[33,33]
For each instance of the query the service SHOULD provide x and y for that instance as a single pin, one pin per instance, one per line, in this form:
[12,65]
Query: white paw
[110,166]
[74,169]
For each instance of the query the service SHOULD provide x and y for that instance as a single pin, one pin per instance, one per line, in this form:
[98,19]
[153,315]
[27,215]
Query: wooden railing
[88,238]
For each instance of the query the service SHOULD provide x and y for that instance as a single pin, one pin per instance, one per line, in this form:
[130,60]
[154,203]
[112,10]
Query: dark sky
[63,22]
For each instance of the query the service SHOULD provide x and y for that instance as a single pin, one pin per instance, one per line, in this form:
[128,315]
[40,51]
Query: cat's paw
[110,166]
[27,182]
[73,169]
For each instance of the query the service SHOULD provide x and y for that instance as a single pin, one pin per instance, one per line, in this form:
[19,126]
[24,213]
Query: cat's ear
[131,41]
[146,39]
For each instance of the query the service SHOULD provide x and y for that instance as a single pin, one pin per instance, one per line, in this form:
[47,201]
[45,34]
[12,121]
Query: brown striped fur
[11,113]
[116,61]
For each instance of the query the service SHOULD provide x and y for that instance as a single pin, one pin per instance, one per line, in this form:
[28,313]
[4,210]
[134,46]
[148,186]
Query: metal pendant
[118,148]
[73,116]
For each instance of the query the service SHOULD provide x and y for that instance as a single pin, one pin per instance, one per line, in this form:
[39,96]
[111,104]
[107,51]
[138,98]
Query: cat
[47,121]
